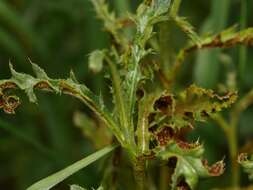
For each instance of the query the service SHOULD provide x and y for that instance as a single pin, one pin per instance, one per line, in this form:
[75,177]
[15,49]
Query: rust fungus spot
[165,135]
[163,103]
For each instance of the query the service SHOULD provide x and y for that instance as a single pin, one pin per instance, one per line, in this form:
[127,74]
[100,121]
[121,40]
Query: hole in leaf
[153,129]
[172,162]
[153,143]
[163,104]
[182,185]
[151,117]
[139,94]
[188,115]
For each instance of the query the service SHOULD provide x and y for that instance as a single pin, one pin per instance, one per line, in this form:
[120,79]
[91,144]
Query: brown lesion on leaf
[67,89]
[186,145]
[219,42]
[7,85]
[216,169]
[43,85]
[165,135]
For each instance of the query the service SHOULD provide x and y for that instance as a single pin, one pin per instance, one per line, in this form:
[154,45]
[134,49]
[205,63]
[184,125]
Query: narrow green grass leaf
[54,179]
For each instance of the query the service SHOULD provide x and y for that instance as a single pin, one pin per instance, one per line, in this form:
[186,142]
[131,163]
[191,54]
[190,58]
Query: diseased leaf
[198,103]
[188,164]
[68,86]
[247,164]
[193,104]
[225,39]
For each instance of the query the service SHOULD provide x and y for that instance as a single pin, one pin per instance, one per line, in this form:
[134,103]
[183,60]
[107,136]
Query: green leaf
[96,59]
[188,164]
[111,23]
[54,179]
[247,164]
[188,29]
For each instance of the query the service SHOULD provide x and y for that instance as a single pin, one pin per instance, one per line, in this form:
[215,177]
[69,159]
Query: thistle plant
[150,117]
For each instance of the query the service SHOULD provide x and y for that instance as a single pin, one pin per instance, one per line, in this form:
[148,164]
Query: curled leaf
[9,103]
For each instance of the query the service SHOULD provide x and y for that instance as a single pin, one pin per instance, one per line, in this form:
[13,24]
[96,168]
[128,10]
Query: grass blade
[54,179]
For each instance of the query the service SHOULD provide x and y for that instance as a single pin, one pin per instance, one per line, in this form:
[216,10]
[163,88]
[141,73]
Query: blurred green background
[58,35]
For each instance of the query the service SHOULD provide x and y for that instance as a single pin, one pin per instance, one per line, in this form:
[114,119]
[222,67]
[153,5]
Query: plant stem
[164,178]
[243,104]
[230,130]
[233,152]
[139,173]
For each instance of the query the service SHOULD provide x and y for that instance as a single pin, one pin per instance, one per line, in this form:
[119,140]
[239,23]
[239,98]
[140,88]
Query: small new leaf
[96,59]
[247,164]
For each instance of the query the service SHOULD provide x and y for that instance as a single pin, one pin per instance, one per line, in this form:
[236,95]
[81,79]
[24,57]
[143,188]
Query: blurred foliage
[59,35]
